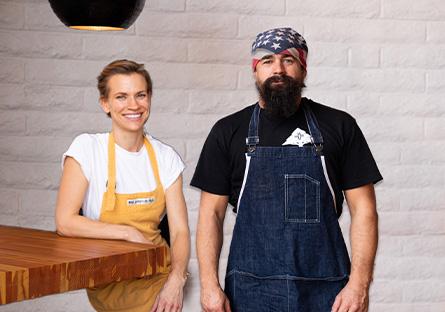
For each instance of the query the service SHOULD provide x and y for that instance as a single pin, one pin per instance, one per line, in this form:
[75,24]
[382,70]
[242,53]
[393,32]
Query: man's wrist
[209,282]
[360,282]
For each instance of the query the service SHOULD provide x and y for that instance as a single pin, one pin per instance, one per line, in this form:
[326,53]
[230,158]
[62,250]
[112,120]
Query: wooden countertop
[35,263]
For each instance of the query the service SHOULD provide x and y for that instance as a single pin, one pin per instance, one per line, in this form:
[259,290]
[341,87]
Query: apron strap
[253,139]
[110,197]
[314,129]
[153,162]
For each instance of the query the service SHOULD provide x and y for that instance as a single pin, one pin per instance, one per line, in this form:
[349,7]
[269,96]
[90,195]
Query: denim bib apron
[287,251]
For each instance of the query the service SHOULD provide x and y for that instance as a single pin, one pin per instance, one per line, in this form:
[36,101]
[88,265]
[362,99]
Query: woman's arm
[171,295]
[73,186]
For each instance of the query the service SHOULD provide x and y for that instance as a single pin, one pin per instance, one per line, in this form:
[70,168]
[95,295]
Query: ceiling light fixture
[97,14]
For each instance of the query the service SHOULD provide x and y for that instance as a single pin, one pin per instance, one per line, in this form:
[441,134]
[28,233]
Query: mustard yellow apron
[142,211]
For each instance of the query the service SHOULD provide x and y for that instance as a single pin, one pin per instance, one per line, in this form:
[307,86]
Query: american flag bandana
[279,41]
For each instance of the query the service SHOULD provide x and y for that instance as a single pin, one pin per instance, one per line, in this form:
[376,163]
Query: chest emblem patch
[140,201]
[298,137]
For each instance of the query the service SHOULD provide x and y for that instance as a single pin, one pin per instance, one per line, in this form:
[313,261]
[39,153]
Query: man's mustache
[278,78]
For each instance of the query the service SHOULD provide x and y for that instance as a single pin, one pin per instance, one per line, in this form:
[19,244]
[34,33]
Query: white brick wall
[381,60]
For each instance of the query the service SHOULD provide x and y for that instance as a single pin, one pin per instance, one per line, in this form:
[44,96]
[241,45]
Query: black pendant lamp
[97,14]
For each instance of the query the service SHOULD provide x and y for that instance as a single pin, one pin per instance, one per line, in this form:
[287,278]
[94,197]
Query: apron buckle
[318,149]
[251,148]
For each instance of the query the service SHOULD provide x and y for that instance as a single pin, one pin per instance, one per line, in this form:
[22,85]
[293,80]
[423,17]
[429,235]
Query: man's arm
[364,237]
[209,240]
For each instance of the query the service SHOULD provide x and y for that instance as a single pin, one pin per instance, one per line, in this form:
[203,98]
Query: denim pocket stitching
[317,199]
[234,287]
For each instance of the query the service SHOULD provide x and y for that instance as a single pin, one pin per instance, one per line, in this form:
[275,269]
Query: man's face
[278,65]
[280,81]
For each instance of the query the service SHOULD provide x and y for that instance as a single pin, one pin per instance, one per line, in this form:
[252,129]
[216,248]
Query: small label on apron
[140,201]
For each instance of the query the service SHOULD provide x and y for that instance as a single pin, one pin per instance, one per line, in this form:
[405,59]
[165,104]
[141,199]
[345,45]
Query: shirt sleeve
[212,173]
[171,165]
[358,165]
[81,150]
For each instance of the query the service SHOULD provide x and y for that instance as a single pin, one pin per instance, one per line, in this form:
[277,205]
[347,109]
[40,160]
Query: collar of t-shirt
[275,131]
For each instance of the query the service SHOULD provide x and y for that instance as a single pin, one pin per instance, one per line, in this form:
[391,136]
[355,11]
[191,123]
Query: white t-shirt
[133,170]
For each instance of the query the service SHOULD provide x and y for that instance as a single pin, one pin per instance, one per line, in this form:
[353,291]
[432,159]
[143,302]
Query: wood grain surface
[35,263]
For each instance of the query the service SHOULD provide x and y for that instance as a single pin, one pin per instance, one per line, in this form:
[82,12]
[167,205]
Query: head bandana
[279,41]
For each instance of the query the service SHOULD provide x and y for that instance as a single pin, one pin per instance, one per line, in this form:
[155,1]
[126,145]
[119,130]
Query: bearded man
[286,164]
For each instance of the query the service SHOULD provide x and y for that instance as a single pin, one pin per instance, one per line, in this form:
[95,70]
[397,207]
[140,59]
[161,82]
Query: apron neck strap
[253,139]
[314,129]
[153,161]
[111,183]
[109,198]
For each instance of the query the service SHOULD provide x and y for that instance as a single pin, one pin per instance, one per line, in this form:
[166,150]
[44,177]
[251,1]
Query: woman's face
[128,102]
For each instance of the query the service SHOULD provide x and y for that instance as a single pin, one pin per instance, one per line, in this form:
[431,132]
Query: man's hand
[214,300]
[364,236]
[351,299]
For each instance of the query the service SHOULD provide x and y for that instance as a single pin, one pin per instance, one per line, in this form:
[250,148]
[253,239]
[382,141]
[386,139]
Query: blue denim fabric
[249,293]
[287,251]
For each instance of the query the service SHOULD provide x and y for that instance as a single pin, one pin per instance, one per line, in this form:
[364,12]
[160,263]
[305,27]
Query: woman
[125,181]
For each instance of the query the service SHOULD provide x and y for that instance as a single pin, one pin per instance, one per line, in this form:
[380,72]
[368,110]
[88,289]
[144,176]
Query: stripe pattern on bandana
[279,41]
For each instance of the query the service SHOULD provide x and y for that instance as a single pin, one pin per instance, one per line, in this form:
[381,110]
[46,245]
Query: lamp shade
[97,14]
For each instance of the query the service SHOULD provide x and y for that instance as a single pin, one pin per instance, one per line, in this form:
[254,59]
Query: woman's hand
[135,236]
[170,297]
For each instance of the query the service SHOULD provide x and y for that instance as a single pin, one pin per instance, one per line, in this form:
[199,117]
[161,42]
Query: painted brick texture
[383,61]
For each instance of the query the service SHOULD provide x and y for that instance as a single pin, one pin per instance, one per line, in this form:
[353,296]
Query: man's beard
[281,101]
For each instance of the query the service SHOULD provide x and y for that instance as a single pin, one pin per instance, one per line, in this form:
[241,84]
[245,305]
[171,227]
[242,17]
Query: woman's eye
[141,96]
[120,97]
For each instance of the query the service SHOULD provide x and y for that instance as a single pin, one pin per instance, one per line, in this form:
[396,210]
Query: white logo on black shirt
[298,137]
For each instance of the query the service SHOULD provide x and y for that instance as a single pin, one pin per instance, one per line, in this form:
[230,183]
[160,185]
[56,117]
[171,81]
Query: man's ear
[303,69]
[254,74]
[104,104]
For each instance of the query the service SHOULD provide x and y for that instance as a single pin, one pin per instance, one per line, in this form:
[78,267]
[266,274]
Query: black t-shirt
[221,165]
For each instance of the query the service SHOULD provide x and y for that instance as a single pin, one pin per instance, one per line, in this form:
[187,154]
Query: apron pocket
[248,293]
[302,199]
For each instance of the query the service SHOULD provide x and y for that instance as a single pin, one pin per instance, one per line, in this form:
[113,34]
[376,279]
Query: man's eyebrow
[269,56]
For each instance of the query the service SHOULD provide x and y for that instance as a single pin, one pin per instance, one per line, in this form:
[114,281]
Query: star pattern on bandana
[279,39]
[276,46]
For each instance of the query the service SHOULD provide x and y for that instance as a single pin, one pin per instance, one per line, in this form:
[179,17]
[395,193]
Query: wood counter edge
[20,283]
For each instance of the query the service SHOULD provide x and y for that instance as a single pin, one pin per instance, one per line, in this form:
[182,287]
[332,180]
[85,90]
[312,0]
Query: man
[285,164]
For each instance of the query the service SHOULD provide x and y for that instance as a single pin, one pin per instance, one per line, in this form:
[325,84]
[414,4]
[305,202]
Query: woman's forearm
[79,226]
[179,229]
[180,254]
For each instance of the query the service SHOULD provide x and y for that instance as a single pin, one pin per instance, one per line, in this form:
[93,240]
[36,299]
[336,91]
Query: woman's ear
[104,104]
